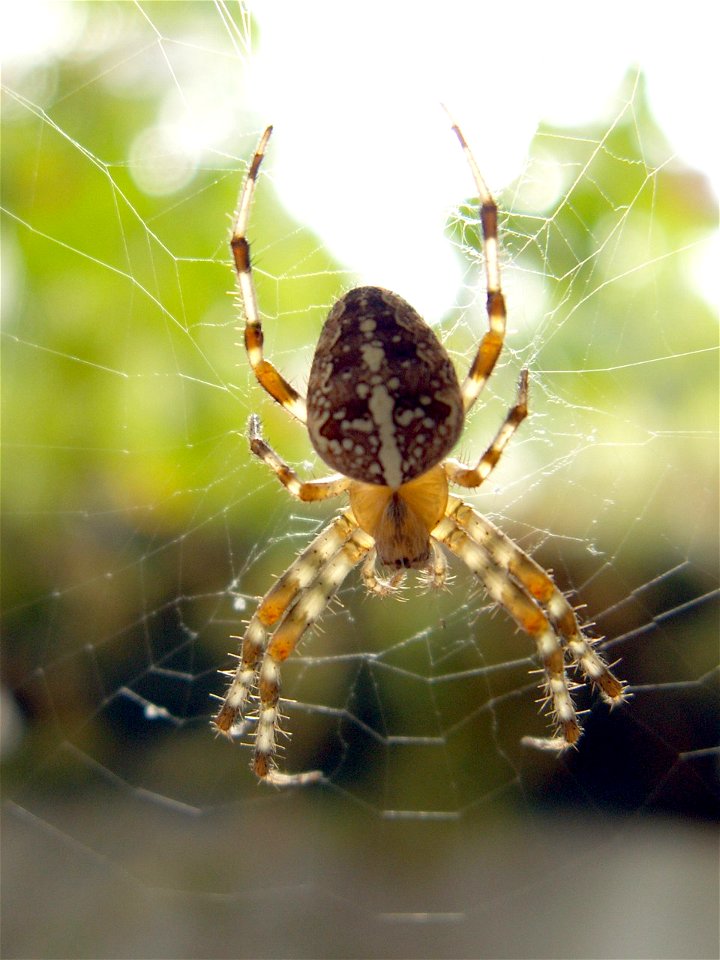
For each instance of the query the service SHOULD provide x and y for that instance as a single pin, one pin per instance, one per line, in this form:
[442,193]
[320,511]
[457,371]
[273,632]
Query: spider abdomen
[383,402]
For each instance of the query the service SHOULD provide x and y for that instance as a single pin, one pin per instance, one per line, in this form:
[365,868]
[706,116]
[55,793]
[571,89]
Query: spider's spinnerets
[384,403]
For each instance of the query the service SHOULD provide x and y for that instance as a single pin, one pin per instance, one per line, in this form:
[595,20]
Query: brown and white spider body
[384,408]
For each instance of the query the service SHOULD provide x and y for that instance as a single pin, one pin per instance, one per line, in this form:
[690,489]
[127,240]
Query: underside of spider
[384,409]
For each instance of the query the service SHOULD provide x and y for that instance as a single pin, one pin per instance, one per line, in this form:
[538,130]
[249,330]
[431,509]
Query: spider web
[138,532]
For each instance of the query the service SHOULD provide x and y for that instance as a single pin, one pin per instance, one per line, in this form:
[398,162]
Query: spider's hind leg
[493,340]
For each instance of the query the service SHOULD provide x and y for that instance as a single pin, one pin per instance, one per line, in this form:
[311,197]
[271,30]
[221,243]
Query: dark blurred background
[137,533]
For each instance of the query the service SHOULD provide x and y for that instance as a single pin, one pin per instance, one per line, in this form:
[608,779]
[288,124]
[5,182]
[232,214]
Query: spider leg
[271,608]
[296,621]
[528,615]
[492,342]
[291,607]
[539,585]
[267,375]
[473,476]
[301,490]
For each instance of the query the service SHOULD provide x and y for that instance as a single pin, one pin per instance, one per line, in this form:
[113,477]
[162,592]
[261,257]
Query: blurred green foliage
[133,516]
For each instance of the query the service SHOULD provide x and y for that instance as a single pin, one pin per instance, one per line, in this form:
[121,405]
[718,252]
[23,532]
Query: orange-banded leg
[302,490]
[466,476]
[492,342]
[304,612]
[267,375]
[271,609]
[528,615]
[289,608]
[539,585]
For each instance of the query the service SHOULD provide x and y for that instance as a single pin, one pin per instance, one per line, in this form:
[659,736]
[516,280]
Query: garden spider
[384,408]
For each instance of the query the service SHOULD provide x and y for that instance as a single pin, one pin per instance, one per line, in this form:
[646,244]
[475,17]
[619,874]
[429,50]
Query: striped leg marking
[301,490]
[539,585]
[492,342]
[466,476]
[267,375]
[528,615]
[286,611]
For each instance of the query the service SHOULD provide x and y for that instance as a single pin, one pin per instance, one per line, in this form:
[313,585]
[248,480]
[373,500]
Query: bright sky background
[387,66]
[362,152]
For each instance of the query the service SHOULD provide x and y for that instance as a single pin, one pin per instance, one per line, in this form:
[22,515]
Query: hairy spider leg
[492,342]
[286,611]
[466,476]
[272,607]
[538,584]
[528,615]
[298,618]
[267,375]
[306,490]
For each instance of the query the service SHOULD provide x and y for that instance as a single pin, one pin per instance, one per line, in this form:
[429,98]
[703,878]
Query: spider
[384,408]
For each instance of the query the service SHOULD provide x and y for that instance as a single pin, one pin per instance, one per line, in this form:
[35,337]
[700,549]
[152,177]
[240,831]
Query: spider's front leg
[539,585]
[529,595]
[270,610]
[492,342]
[289,608]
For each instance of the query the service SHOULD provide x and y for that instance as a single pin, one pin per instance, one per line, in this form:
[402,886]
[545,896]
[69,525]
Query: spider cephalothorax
[384,408]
